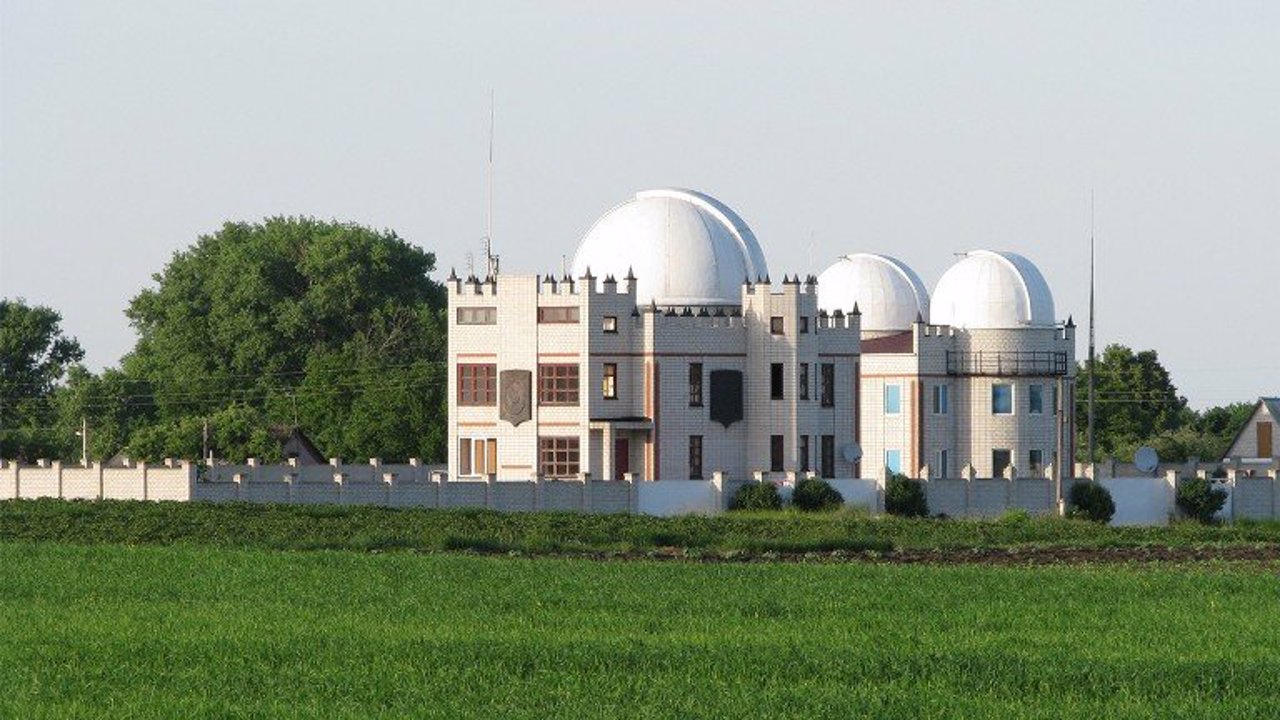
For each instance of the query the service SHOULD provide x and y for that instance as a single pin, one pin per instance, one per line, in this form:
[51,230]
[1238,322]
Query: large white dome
[888,293]
[988,289]
[685,248]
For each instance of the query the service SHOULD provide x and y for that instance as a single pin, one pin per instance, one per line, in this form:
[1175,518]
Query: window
[558,457]
[775,453]
[477,316]
[1035,399]
[558,314]
[775,381]
[776,325]
[893,461]
[892,399]
[1036,459]
[1001,399]
[477,384]
[828,394]
[611,323]
[478,456]
[804,453]
[804,324]
[695,384]
[557,384]
[1000,460]
[610,381]
[1054,395]
[695,457]
[941,399]
[828,456]
[943,469]
[804,381]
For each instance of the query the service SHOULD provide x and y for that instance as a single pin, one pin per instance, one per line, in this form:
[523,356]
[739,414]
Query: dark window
[464,456]
[557,384]
[695,457]
[999,462]
[611,323]
[804,324]
[1001,399]
[1035,399]
[477,384]
[804,453]
[775,381]
[726,396]
[943,470]
[804,381]
[828,456]
[558,314]
[776,325]
[695,384]
[610,381]
[828,395]
[1036,458]
[776,453]
[558,457]
[477,316]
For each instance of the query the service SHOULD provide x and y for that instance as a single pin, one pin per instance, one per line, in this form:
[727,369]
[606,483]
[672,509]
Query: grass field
[293,527]
[206,631]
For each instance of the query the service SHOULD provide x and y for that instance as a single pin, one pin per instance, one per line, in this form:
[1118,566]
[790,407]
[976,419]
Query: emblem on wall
[515,396]
[726,396]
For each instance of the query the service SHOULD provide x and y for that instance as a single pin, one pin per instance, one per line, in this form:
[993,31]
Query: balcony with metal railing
[1005,363]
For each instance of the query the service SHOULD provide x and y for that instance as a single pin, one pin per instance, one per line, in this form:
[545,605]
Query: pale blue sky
[917,129]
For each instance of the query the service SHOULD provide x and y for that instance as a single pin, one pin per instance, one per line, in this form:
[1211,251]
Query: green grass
[282,527]
[185,632]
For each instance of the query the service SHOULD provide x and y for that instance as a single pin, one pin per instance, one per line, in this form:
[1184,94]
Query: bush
[904,496]
[812,494]
[756,496]
[1090,501]
[1200,500]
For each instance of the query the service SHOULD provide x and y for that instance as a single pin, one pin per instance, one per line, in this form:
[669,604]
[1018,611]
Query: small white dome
[888,293]
[988,289]
[684,247]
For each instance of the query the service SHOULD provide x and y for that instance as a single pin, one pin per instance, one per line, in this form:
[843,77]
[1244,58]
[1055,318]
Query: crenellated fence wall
[1253,493]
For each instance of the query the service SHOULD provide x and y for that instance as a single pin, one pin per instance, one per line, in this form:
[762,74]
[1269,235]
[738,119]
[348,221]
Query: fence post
[1274,475]
[717,484]
[585,477]
[633,498]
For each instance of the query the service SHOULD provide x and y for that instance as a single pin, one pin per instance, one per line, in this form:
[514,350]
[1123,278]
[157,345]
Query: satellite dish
[1146,459]
[851,452]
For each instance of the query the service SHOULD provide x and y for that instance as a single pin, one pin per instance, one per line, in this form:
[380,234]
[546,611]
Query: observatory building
[668,353]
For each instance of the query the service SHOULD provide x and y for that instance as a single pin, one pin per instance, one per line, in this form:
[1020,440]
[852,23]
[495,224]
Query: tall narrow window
[610,381]
[943,469]
[1035,460]
[828,385]
[558,384]
[1035,399]
[695,384]
[776,325]
[1001,399]
[892,399]
[775,381]
[804,381]
[464,456]
[1000,460]
[776,454]
[804,324]
[477,384]
[941,399]
[695,457]
[804,453]
[828,456]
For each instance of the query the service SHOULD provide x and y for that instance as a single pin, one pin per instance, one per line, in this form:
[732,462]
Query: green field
[208,631]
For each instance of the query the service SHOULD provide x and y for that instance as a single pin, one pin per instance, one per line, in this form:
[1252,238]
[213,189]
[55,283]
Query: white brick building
[667,354]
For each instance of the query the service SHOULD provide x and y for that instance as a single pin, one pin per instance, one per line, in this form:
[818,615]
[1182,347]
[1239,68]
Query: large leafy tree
[331,326]
[34,358]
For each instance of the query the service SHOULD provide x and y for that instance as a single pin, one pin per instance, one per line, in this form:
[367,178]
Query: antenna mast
[1092,373]
[490,260]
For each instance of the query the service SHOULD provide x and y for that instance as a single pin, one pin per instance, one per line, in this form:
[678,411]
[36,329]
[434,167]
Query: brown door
[621,457]
[1264,439]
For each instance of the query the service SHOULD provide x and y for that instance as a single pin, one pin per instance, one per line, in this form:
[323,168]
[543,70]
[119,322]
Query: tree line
[337,329]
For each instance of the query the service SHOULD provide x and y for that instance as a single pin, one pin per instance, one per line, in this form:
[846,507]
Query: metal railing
[1006,362]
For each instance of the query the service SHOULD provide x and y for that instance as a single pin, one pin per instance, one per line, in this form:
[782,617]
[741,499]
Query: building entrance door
[621,457]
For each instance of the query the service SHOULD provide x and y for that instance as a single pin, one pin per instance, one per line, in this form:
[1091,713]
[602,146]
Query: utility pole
[1092,368]
[204,447]
[84,441]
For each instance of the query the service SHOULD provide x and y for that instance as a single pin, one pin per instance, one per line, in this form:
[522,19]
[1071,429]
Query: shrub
[904,496]
[756,496]
[812,494]
[1200,500]
[1090,501]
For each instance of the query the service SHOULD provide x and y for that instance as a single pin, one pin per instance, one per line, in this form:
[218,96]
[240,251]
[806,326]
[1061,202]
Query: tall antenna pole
[490,260]
[1092,368]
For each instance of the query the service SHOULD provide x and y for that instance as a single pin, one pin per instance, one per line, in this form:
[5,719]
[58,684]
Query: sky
[129,129]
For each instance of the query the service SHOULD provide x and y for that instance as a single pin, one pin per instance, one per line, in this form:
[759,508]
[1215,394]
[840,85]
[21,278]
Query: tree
[332,326]
[1136,400]
[34,357]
